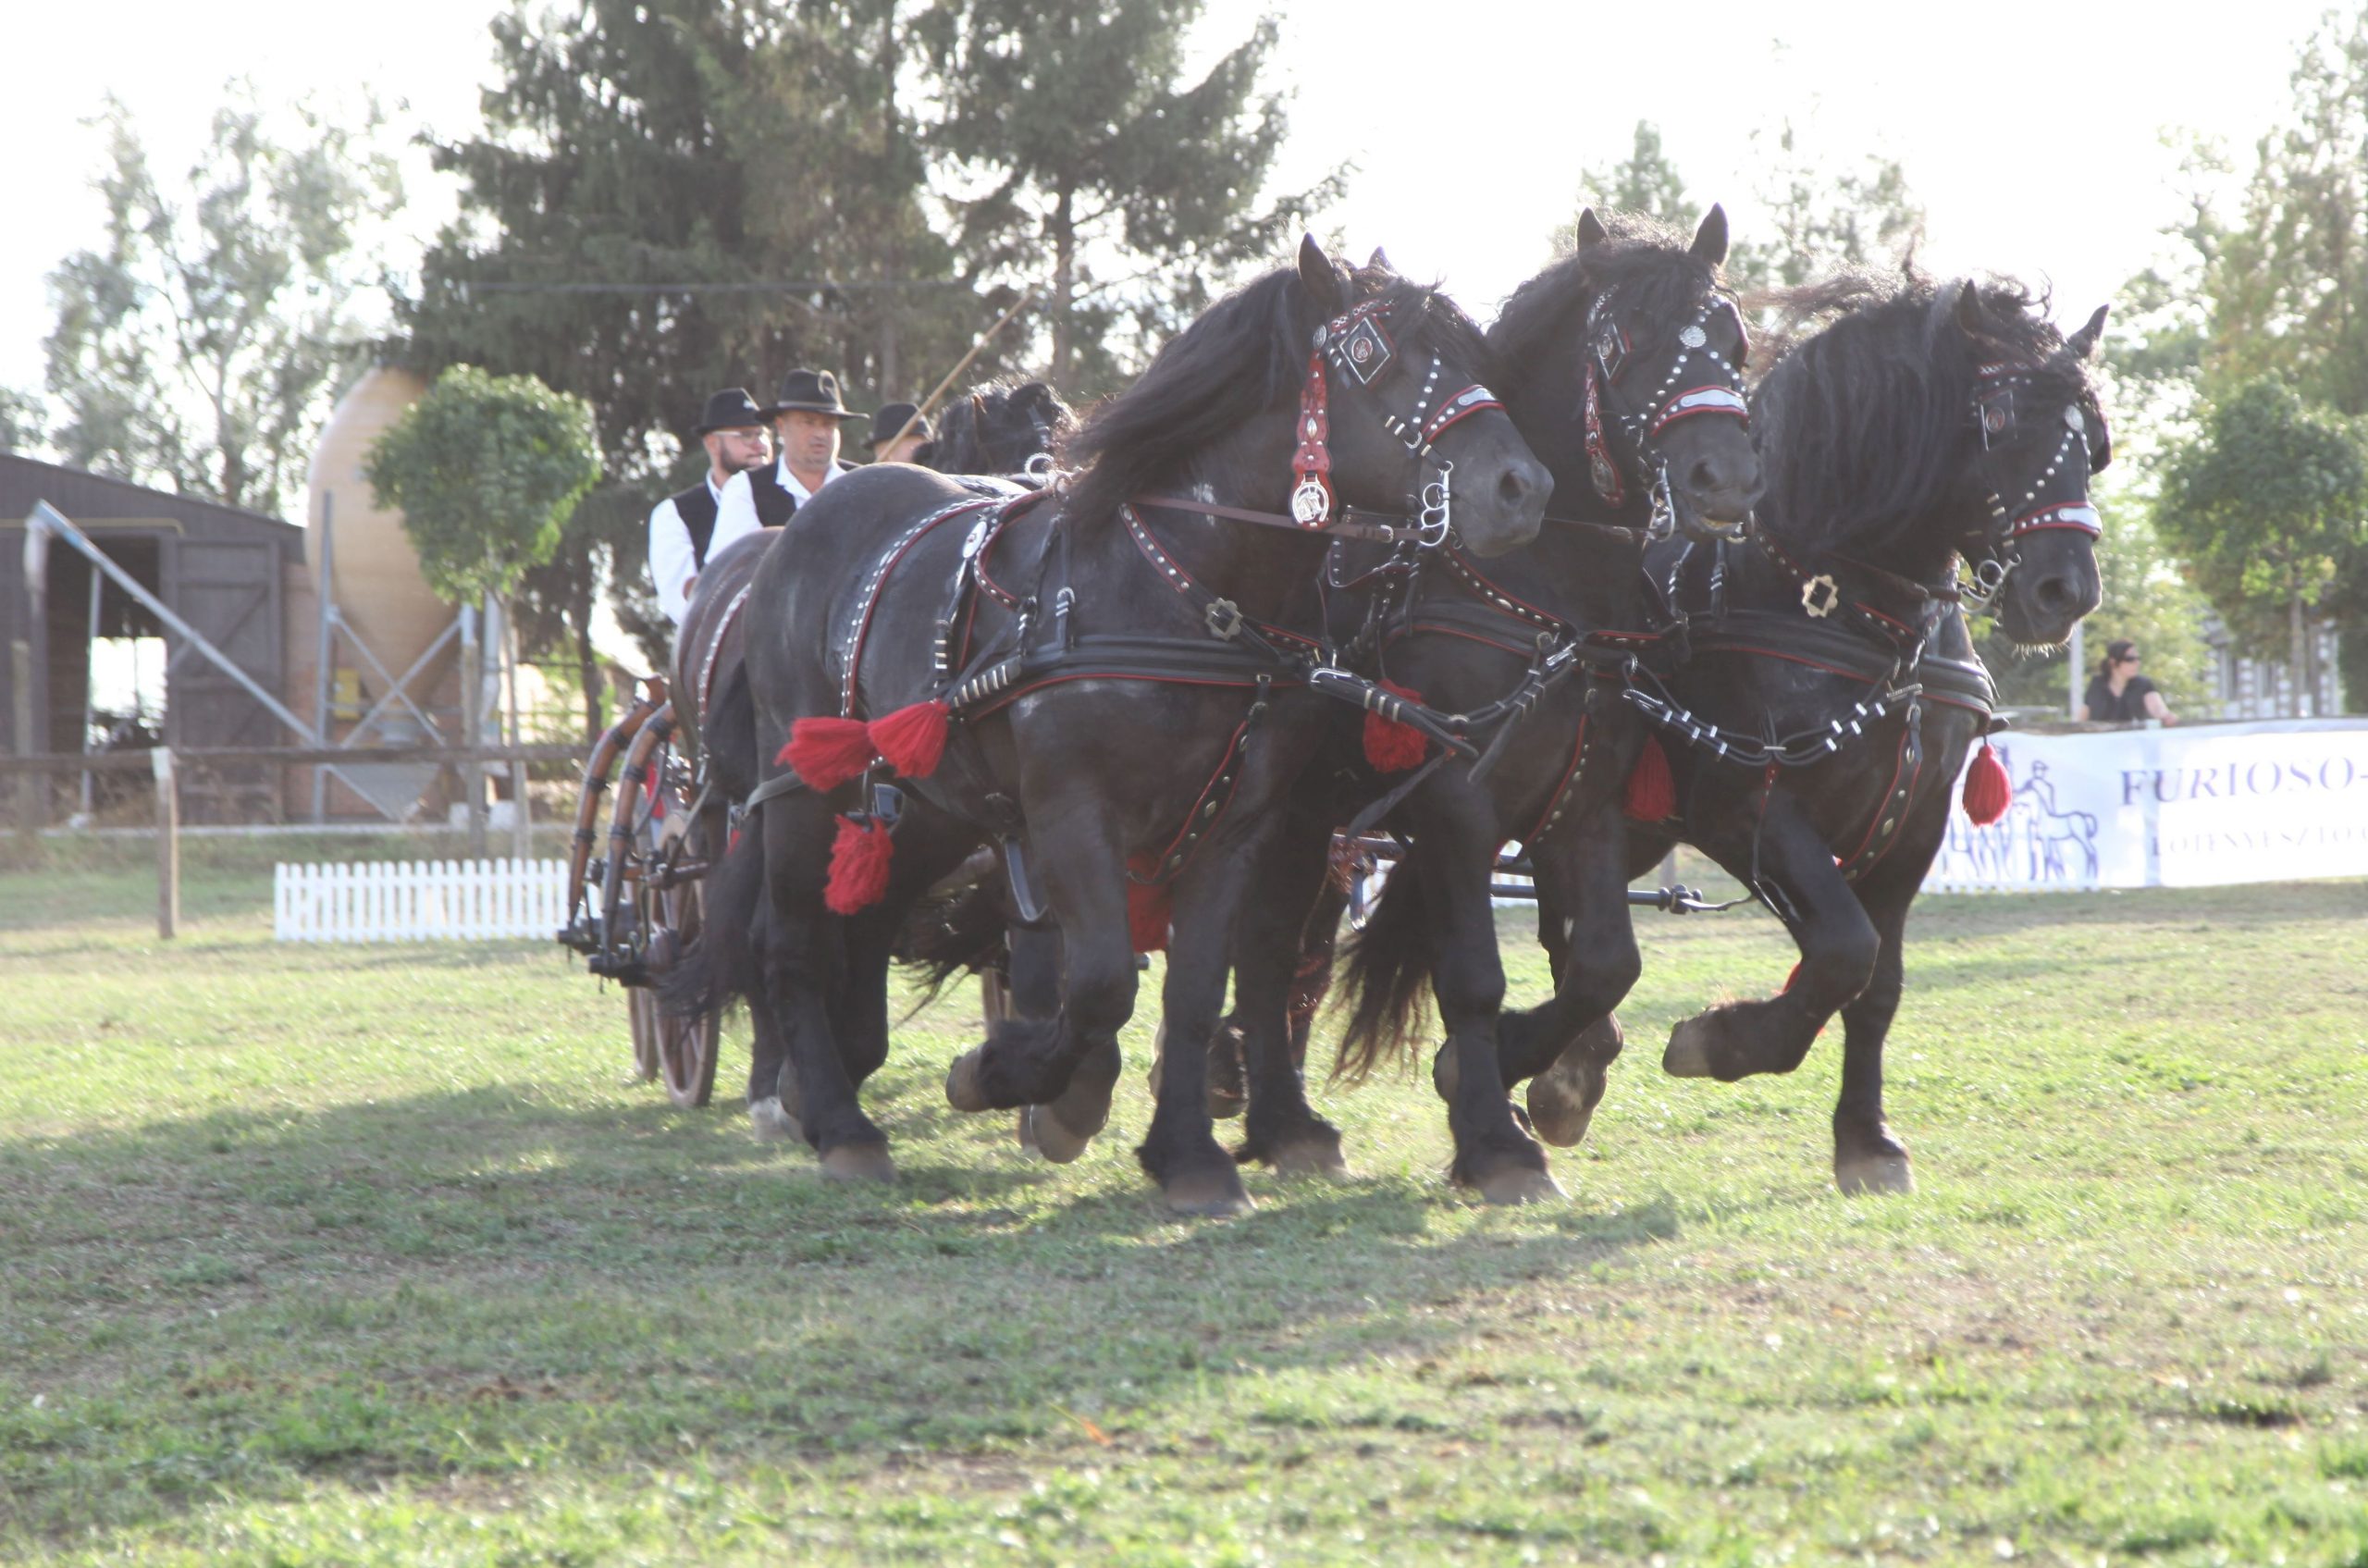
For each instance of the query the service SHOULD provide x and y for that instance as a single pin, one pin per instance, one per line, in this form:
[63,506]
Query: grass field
[374,1255]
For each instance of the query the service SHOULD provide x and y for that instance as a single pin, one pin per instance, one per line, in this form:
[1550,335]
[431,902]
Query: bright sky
[2031,132]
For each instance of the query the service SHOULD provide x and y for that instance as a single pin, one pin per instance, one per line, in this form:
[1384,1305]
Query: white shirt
[673,561]
[735,515]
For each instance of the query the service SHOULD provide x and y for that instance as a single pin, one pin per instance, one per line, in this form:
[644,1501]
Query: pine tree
[1089,161]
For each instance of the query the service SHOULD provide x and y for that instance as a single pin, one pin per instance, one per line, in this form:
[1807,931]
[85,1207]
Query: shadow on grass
[225,1306]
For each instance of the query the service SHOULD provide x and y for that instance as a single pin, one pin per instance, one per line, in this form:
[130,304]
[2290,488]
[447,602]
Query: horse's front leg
[1180,1151]
[1566,1045]
[1455,853]
[1029,1061]
[1838,945]
[1065,1127]
[801,962]
[1868,1158]
[1291,890]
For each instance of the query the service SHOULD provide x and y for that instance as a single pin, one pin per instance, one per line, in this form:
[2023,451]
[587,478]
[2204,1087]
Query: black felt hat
[888,420]
[731,409]
[811,392]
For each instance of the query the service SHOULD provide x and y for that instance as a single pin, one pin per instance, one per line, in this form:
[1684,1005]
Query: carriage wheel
[686,1047]
[641,1007]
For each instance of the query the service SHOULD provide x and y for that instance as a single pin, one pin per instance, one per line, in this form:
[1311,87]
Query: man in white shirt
[806,419]
[681,527]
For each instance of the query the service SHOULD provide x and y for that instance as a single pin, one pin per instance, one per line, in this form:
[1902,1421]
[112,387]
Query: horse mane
[1648,262]
[1244,355]
[1864,419]
[997,427]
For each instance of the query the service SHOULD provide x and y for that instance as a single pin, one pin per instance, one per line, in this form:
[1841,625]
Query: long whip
[1026,298]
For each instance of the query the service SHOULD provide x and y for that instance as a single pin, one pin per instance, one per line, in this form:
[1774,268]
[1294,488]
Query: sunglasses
[2134,658]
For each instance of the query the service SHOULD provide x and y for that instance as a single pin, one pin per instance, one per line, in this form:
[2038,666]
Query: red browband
[1469,402]
[1710,399]
[2075,514]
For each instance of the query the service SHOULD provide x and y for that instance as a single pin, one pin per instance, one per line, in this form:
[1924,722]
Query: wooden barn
[230,574]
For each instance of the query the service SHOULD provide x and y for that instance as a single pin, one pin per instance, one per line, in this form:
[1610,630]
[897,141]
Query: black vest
[774,503]
[696,508]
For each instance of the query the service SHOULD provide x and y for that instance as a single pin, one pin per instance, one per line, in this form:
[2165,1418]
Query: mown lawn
[356,1256]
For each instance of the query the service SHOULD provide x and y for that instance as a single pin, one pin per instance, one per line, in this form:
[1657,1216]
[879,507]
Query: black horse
[1122,668]
[1828,692]
[1623,366]
[999,428]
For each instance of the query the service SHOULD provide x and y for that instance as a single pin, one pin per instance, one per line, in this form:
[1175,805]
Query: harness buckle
[1224,619]
[1820,596]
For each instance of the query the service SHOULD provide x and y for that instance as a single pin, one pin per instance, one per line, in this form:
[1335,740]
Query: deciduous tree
[197,348]
[2267,502]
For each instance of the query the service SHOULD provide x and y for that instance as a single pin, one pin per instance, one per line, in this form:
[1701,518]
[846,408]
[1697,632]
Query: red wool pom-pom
[1652,794]
[911,740]
[1147,914]
[1392,747]
[1988,790]
[828,752]
[859,858]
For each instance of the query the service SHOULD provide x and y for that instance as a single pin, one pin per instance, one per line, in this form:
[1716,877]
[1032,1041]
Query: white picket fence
[418,900]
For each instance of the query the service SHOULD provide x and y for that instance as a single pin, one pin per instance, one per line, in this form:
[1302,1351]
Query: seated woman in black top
[2119,694]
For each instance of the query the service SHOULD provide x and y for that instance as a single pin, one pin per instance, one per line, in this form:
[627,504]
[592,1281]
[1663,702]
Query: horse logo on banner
[2037,843]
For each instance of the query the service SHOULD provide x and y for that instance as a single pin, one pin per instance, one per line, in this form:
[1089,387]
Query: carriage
[636,905]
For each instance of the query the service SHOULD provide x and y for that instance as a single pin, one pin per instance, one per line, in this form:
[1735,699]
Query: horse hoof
[1559,1112]
[1214,1194]
[962,1088]
[1689,1049]
[1043,1134]
[1859,1174]
[1519,1184]
[859,1162]
[769,1122]
[1225,1106]
[1443,1074]
[1313,1155]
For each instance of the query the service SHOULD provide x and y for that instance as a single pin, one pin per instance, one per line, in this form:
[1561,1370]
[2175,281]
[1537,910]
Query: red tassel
[859,858]
[1147,915]
[912,739]
[1652,794]
[828,752]
[1392,747]
[1988,790]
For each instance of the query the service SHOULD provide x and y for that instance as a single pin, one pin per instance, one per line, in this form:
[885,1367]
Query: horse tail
[720,965]
[1387,985]
[952,934]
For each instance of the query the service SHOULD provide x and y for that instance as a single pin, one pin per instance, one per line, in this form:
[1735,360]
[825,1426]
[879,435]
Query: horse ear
[1591,228]
[1970,309]
[1710,240]
[1380,261]
[1316,275]
[2084,342]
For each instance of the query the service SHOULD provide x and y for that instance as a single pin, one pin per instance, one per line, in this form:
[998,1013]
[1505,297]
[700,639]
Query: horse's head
[1624,363]
[2039,434]
[1394,405]
[999,428]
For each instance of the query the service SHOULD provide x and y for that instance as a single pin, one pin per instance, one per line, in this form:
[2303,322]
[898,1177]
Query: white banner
[2278,800]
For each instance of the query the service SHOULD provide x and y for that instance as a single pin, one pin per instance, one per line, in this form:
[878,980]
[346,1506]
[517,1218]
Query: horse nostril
[1518,483]
[1704,477]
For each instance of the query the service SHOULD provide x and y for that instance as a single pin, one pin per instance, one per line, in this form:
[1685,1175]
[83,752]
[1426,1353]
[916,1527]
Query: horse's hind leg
[1838,946]
[1281,1127]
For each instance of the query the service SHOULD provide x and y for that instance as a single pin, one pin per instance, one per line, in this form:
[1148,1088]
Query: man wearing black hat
[681,527]
[887,445]
[807,421]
